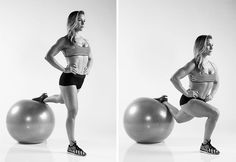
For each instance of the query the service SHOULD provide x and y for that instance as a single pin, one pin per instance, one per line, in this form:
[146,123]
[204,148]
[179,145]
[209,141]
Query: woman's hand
[208,97]
[71,69]
[86,70]
[192,93]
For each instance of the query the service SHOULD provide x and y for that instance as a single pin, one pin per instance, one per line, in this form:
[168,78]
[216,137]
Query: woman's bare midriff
[202,88]
[79,61]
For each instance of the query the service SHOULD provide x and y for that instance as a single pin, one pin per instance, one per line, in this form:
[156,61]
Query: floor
[173,149]
[55,150]
[177,149]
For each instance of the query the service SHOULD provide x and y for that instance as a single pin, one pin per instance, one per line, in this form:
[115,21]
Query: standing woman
[79,60]
[204,82]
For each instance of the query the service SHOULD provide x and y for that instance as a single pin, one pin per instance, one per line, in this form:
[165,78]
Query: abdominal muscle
[79,61]
[202,88]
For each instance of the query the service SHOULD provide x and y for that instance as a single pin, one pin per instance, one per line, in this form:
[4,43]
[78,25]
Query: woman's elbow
[48,58]
[216,83]
[90,59]
[173,79]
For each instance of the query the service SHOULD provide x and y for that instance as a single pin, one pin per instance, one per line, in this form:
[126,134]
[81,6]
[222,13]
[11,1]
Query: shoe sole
[208,153]
[76,154]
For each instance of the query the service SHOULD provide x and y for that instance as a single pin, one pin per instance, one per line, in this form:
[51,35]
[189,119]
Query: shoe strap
[209,145]
[76,146]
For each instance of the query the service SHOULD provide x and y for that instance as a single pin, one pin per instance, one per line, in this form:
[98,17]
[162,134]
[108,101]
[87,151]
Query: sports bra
[204,76]
[76,50]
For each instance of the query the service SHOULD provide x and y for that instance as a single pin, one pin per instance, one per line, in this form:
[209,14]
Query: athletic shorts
[183,100]
[68,79]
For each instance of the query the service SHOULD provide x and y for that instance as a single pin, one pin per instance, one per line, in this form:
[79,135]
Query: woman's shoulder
[191,64]
[63,41]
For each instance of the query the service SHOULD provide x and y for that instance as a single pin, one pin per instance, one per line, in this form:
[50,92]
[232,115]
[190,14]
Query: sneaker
[208,148]
[41,98]
[75,149]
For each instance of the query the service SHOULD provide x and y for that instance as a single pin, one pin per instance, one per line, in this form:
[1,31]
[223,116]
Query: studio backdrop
[156,38]
[28,30]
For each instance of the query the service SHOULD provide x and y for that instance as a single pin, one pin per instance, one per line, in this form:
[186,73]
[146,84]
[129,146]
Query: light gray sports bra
[204,76]
[76,50]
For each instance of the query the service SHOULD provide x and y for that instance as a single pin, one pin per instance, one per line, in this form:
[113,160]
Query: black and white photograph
[58,100]
[176,80]
[117,80]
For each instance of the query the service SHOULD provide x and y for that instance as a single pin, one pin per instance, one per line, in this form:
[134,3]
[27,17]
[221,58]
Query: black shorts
[68,79]
[183,100]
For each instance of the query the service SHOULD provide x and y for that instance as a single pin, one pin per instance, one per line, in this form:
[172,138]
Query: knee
[72,113]
[215,115]
[179,121]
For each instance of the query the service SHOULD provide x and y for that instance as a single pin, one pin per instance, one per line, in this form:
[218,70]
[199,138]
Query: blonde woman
[204,81]
[79,60]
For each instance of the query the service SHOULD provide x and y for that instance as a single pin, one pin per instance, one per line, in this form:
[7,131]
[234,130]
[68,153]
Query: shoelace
[76,146]
[210,147]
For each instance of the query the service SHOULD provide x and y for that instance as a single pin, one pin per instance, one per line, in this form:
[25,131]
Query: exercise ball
[30,121]
[148,121]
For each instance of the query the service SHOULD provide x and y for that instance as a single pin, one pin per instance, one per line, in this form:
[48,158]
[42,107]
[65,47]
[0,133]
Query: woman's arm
[54,50]
[216,82]
[215,86]
[181,73]
[90,62]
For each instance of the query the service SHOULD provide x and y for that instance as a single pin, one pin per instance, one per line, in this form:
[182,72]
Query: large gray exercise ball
[30,121]
[148,121]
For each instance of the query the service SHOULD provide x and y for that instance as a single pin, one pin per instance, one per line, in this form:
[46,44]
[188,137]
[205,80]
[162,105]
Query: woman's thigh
[69,95]
[198,108]
[183,116]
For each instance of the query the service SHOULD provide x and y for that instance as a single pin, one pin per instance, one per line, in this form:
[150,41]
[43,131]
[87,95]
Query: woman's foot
[41,98]
[74,149]
[162,99]
[208,148]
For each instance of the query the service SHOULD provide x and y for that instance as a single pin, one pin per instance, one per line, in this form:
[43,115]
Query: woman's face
[81,21]
[209,46]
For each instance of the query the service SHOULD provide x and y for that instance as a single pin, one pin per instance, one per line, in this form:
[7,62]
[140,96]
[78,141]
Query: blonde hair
[199,49]
[72,24]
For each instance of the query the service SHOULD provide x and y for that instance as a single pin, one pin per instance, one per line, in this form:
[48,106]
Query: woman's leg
[54,99]
[45,98]
[179,115]
[69,94]
[199,108]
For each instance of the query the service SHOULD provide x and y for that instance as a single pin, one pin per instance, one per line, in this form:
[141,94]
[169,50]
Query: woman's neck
[78,35]
[205,59]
